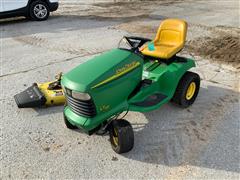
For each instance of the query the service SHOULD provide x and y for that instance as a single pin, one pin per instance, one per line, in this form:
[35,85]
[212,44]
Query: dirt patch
[222,49]
[138,28]
[135,2]
[38,41]
[115,9]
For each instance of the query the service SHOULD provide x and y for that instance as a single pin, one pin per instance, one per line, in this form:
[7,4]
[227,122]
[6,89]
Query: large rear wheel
[187,89]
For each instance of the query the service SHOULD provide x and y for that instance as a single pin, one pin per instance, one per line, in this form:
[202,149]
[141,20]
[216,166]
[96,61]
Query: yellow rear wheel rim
[191,90]
[115,137]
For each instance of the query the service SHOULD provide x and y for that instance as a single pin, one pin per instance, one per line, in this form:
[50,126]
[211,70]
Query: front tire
[187,89]
[39,11]
[121,136]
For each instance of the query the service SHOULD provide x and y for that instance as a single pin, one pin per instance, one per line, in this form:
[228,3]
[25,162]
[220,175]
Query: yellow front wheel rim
[115,137]
[191,90]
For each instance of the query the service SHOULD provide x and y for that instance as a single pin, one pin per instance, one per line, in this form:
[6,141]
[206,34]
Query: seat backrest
[172,32]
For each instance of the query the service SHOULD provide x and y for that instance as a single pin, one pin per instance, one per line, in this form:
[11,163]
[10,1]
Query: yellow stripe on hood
[120,72]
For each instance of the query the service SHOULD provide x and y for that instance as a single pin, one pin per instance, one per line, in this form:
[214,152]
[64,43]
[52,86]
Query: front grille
[80,107]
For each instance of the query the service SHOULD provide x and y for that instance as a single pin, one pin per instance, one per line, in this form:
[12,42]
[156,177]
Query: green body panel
[165,80]
[111,80]
[110,98]
[86,75]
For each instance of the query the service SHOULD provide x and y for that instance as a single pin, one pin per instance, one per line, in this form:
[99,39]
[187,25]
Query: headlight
[81,96]
[67,91]
[64,90]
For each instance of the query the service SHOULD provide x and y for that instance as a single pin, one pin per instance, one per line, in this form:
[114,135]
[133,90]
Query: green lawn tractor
[141,75]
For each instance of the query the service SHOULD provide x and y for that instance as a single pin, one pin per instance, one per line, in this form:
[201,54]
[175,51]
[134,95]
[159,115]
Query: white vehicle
[38,10]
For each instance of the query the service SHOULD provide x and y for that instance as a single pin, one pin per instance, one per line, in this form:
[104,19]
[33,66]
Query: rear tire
[121,136]
[39,11]
[187,89]
[68,124]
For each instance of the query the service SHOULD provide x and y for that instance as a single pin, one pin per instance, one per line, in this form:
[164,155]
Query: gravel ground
[170,143]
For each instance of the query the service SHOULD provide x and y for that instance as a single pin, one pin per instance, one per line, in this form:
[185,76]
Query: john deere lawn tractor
[139,77]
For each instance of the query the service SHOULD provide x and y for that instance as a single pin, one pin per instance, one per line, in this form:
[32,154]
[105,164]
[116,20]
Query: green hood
[84,76]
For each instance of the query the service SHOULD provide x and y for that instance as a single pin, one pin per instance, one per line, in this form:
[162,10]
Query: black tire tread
[126,136]
[179,96]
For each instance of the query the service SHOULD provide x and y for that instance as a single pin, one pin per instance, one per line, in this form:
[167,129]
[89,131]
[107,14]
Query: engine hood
[93,72]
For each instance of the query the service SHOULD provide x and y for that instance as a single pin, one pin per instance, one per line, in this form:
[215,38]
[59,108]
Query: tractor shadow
[199,136]
[173,136]
[43,111]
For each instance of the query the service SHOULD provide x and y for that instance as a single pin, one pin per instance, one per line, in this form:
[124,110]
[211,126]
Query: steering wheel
[136,42]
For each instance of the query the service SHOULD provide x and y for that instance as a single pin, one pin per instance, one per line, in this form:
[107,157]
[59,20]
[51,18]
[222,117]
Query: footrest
[151,100]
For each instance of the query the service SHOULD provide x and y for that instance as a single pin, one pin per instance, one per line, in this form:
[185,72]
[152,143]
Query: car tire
[187,90]
[121,136]
[39,11]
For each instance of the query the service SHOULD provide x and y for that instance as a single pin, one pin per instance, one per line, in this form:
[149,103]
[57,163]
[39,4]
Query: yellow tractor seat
[170,39]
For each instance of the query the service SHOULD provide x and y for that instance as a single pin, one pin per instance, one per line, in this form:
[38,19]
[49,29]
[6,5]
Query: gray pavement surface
[200,142]
[210,13]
